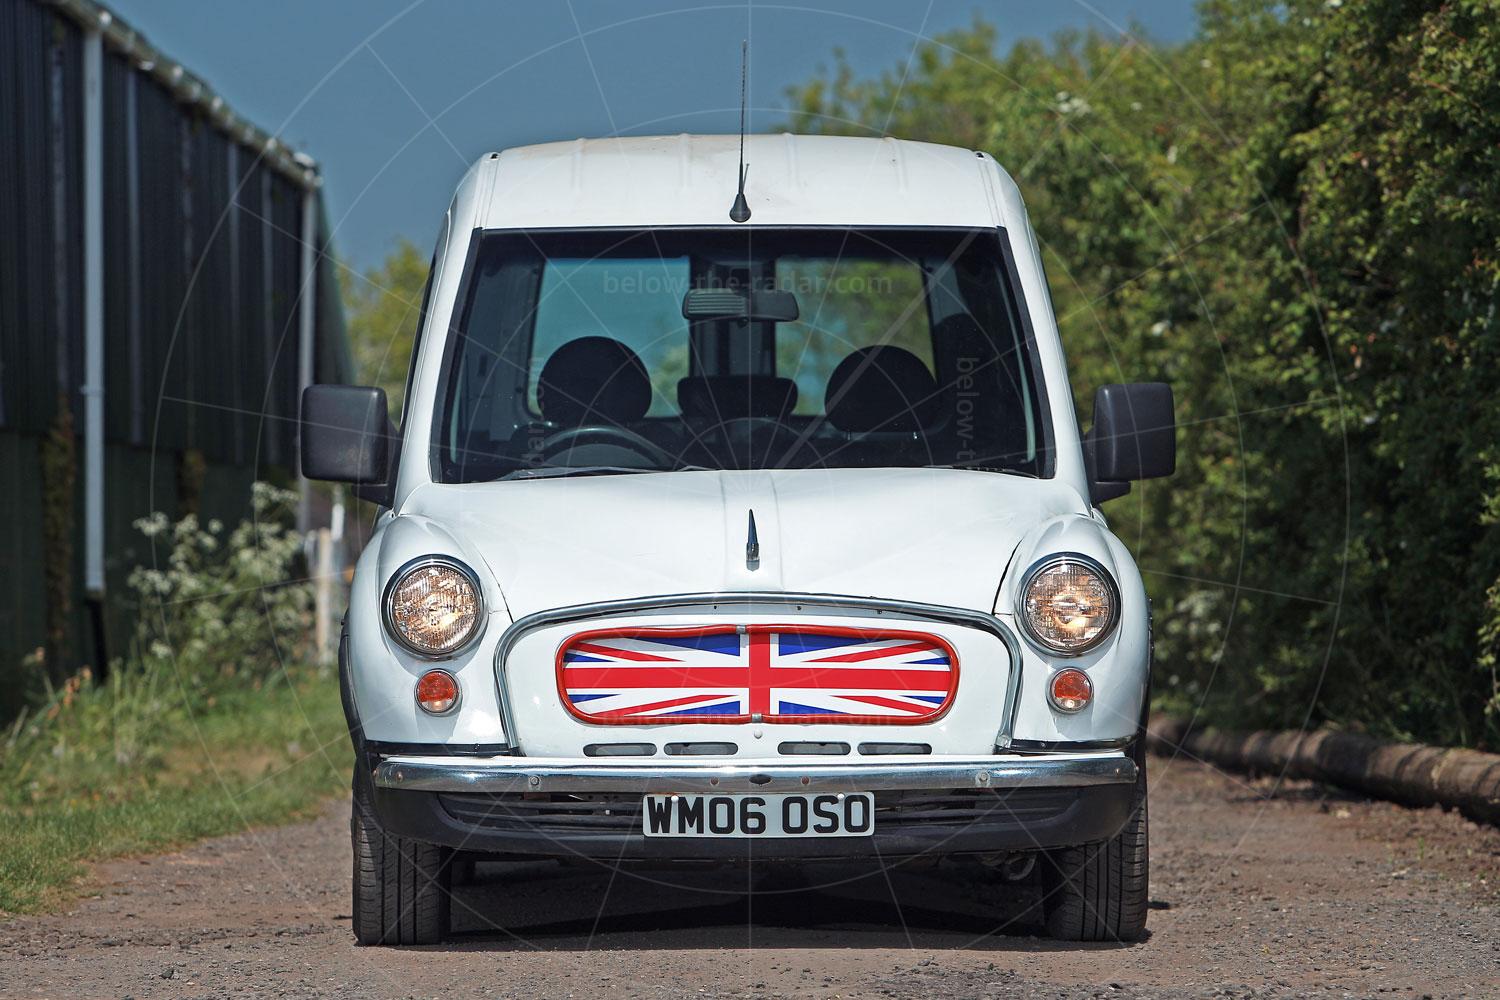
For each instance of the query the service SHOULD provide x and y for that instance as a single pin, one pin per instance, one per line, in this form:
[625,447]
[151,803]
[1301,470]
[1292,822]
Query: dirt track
[1302,893]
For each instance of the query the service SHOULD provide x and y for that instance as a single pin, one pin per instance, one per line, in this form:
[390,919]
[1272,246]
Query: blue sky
[395,99]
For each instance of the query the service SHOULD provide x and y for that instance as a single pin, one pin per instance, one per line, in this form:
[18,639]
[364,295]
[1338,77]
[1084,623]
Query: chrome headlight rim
[387,605]
[1050,561]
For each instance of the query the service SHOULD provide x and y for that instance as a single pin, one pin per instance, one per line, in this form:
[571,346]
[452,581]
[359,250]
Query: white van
[718,529]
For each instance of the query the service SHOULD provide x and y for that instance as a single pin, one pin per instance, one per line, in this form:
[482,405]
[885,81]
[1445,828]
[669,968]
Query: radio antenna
[740,211]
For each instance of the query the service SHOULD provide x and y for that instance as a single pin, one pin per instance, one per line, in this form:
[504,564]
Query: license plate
[835,814]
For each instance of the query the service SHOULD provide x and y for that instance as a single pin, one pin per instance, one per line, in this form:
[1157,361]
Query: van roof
[689,180]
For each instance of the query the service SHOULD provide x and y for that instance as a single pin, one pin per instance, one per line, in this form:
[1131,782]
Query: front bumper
[538,807]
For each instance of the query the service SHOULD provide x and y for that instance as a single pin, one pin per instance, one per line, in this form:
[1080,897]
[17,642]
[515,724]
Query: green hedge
[1294,218]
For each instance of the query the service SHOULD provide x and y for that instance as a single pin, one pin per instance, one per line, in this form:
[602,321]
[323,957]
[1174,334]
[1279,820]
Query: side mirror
[346,435]
[1134,437]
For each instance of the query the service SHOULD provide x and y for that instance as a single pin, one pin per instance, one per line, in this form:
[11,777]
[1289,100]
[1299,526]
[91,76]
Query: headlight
[1069,604]
[433,606]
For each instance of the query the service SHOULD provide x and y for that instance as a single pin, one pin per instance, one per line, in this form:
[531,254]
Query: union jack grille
[775,673]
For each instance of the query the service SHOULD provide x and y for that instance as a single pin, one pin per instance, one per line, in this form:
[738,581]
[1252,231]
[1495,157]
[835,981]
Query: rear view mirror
[1134,437]
[346,436]
[740,303]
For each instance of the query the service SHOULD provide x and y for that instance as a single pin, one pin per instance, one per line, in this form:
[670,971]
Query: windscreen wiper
[565,471]
[970,467]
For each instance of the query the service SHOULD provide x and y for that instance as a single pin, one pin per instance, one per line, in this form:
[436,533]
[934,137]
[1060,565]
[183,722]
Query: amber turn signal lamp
[1070,690]
[437,692]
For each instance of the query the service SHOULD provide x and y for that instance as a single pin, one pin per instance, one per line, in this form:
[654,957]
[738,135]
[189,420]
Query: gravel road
[1255,894]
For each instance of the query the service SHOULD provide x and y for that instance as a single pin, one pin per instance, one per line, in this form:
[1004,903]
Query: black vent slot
[620,750]
[879,749]
[970,805]
[702,749]
[545,812]
[809,748]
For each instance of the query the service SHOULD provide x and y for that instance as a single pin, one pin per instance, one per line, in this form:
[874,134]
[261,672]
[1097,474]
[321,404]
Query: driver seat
[593,380]
[589,384]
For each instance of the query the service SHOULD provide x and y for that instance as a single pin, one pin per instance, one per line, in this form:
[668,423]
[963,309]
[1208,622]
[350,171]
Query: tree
[383,306]
[1294,218]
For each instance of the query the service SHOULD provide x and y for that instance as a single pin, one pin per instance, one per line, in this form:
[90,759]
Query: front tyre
[401,886]
[1099,892]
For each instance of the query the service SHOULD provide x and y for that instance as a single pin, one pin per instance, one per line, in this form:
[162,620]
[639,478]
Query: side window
[847,303]
[982,359]
[637,302]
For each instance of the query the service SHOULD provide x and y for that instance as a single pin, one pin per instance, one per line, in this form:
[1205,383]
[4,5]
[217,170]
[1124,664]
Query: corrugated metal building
[162,300]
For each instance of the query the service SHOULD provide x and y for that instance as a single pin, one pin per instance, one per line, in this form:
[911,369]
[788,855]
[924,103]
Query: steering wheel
[573,437]
[753,443]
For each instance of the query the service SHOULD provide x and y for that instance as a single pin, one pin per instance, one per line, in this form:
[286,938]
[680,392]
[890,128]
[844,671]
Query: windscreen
[646,351]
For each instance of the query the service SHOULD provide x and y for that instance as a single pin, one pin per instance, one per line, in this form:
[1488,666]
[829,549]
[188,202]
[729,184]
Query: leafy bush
[220,613]
[1294,218]
[212,723]
[225,605]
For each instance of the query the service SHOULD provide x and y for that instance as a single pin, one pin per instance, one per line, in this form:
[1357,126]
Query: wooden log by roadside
[1409,773]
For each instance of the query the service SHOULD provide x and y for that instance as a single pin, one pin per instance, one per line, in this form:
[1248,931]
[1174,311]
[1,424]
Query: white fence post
[323,586]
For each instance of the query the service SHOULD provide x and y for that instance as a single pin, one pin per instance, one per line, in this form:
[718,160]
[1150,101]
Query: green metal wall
[202,295]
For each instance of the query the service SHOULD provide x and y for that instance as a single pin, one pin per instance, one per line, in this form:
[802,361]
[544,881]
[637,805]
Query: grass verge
[117,769]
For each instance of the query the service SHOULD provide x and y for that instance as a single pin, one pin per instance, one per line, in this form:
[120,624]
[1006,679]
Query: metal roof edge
[191,89]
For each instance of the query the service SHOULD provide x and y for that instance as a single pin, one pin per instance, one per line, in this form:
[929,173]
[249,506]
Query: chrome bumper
[538,774]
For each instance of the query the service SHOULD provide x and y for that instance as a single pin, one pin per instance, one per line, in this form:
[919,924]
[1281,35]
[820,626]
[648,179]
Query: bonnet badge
[752,546]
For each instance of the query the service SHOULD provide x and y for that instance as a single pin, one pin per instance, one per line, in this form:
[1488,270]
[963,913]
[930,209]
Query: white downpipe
[93,310]
[307,329]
